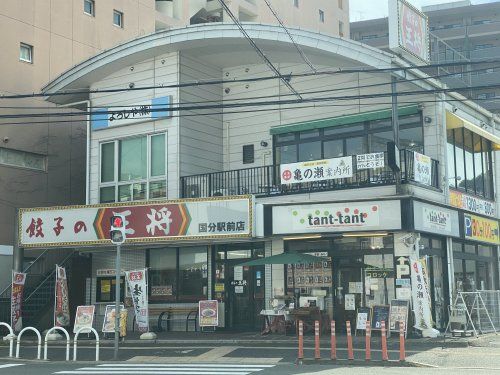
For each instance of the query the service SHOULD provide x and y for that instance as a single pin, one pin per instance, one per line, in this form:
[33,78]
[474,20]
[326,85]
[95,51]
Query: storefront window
[452,180]
[163,274]
[106,289]
[378,290]
[193,273]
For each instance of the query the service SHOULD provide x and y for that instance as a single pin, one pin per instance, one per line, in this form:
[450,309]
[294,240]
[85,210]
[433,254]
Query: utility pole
[395,130]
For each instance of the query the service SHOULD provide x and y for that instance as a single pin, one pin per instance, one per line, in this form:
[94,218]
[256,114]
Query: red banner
[61,310]
[16,299]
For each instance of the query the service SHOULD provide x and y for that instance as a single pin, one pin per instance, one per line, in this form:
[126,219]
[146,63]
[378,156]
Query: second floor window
[118,18]
[133,169]
[26,53]
[89,7]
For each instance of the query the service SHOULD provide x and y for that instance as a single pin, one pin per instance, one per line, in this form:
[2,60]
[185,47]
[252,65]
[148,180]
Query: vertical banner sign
[208,313]
[138,287]
[61,311]
[422,167]
[421,297]
[16,299]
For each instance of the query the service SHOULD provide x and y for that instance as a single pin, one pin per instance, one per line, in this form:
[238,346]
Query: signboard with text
[408,31]
[208,313]
[316,170]
[434,219]
[84,318]
[229,217]
[370,161]
[16,300]
[153,109]
[473,204]
[480,229]
[422,165]
[337,217]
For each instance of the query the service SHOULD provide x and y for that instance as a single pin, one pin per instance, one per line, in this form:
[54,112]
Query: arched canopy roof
[221,45]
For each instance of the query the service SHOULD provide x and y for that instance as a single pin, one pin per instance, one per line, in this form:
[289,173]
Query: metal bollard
[300,355]
[350,353]
[385,357]
[368,341]
[333,340]
[317,354]
[402,354]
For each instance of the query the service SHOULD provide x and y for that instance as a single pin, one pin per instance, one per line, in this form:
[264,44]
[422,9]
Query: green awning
[343,120]
[285,258]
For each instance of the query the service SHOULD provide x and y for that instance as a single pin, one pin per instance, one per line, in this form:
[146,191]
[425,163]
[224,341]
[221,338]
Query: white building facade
[271,172]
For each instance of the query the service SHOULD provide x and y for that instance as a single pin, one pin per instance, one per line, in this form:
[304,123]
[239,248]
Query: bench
[171,314]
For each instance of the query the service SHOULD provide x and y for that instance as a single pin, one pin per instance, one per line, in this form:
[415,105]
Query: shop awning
[285,258]
[453,122]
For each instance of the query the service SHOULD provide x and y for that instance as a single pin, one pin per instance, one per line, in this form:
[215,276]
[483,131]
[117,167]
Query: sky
[368,9]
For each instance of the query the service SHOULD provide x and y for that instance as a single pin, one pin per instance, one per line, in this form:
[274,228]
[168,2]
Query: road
[60,368]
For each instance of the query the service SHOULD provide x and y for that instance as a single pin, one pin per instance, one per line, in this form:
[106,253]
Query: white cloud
[369,9]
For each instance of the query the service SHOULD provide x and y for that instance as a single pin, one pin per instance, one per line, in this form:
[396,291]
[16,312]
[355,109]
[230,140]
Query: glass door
[348,289]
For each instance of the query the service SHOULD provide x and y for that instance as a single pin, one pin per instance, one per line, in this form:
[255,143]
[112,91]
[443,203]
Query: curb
[359,363]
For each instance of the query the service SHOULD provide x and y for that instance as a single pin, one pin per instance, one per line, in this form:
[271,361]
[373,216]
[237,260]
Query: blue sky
[368,9]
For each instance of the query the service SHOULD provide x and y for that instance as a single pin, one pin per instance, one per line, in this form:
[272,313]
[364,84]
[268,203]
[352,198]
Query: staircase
[39,289]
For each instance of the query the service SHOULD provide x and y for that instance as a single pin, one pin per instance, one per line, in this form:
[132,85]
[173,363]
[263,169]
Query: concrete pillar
[17,252]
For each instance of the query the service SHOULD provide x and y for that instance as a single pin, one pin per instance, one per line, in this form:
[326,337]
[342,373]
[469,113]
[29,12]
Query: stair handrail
[62,263]
[4,291]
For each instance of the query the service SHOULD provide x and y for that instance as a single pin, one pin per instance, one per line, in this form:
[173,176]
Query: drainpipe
[87,153]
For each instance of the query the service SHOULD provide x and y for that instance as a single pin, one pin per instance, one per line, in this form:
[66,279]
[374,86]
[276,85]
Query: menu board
[311,275]
[363,315]
[380,314]
[398,313]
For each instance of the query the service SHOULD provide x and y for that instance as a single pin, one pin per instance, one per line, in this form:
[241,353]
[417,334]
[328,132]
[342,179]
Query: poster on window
[422,165]
[316,170]
[208,313]
[138,288]
[84,318]
[61,311]
[16,300]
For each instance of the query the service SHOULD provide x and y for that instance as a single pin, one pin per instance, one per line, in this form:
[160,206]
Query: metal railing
[265,181]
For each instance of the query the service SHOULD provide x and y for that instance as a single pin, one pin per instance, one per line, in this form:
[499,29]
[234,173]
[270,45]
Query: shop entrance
[348,288]
[240,289]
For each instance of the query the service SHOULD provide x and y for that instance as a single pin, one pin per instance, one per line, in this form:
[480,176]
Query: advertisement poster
[61,311]
[480,229]
[420,297]
[370,161]
[16,300]
[187,219]
[316,170]
[473,204]
[350,302]
[138,288]
[84,318]
[398,314]
[208,313]
[311,275]
[422,165]
[108,325]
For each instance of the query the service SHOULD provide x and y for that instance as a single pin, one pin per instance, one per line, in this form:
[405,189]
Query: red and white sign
[408,31]
[84,318]
[61,311]
[208,313]
[138,287]
[16,300]
[169,220]
[316,170]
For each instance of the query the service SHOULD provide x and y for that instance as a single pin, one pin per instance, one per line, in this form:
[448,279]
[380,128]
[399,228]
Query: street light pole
[117,300]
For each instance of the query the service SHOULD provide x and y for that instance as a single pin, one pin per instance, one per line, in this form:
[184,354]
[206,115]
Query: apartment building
[461,31]
[42,159]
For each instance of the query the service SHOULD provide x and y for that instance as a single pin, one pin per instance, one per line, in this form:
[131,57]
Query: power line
[258,50]
[301,53]
[243,80]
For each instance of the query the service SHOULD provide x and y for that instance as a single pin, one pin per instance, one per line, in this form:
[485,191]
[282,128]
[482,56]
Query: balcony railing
[265,181]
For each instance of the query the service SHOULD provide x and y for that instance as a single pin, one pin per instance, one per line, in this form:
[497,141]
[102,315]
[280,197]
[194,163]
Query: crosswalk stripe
[11,365]
[168,369]
[134,365]
[163,372]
